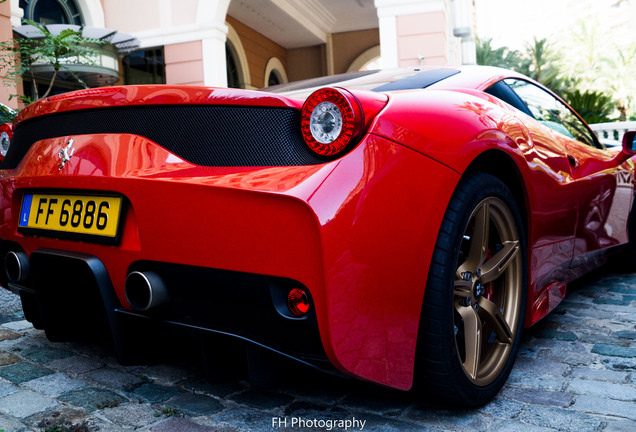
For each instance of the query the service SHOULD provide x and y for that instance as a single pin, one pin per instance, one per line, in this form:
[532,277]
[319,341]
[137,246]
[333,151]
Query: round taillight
[331,120]
[6,132]
[298,302]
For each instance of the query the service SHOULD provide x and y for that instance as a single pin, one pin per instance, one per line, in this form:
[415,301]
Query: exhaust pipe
[16,266]
[145,290]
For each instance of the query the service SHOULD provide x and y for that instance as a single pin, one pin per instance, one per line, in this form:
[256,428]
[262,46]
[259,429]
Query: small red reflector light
[87,92]
[298,302]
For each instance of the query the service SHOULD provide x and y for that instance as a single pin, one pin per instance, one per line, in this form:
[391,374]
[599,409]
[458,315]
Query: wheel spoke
[463,288]
[478,240]
[472,338]
[490,313]
[495,266]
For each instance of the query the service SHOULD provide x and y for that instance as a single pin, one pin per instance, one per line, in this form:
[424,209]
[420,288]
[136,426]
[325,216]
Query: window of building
[52,11]
[144,67]
[231,63]
[273,79]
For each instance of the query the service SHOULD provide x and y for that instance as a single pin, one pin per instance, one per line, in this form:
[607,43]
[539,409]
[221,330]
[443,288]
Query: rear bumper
[357,233]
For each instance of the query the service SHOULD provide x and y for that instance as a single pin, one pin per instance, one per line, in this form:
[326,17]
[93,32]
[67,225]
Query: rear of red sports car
[303,226]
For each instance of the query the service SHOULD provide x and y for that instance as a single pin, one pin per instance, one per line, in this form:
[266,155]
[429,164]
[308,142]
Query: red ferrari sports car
[400,227]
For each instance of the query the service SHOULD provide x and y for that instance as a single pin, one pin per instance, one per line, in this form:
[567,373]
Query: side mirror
[629,142]
[629,148]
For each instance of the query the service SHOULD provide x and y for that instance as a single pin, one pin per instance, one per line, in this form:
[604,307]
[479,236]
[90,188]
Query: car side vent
[222,136]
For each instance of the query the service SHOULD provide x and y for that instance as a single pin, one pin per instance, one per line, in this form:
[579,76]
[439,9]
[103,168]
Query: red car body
[358,232]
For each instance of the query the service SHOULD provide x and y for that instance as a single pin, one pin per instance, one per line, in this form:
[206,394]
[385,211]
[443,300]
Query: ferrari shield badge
[66,153]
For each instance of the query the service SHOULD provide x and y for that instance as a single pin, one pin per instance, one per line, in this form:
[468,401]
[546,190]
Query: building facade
[255,43]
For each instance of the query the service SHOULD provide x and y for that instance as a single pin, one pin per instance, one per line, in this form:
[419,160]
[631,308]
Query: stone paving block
[626,334]
[21,372]
[154,393]
[262,399]
[24,403]
[167,374]
[91,398]
[6,334]
[381,401]
[196,405]
[7,388]
[502,408]
[45,354]
[621,426]
[614,351]
[18,326]
[537,396]
[8,423]
[609,301]
[201,385]
[560,419]
[54,385]
[109,427]
[76,364]
[619,364]
[182,425]
[519,378]
[609,407]
[7,358]
[566,356]
[112,378]
[555,334]
[541,366]
[449,419]
[603,389]
[516,426]
[600,375]
[131,414]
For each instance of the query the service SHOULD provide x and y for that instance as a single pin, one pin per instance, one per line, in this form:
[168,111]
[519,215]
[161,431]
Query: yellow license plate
[84,215]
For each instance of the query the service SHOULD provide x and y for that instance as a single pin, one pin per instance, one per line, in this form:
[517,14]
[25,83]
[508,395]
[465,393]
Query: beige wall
[184,63]
[349,45]
[5,35]
[131,15]
[307,62]
[258,50]
[422,34]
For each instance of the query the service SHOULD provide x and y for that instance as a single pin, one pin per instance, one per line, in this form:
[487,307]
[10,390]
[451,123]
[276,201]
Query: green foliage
[168,411]
[599,83]
[18,56]
[500,57]
[593,106]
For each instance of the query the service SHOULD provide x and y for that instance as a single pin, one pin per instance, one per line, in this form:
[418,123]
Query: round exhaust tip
[16,266]
[145,290]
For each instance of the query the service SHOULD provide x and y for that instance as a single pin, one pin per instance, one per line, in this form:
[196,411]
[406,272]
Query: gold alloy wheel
[487,291]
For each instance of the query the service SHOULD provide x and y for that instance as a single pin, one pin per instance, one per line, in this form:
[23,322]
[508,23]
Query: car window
[552,112]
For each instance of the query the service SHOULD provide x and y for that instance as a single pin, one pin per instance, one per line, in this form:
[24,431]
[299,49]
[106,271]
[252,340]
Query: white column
[16,13]
[214,67]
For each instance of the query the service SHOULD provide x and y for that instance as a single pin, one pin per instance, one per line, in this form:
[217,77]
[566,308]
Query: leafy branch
[19,56]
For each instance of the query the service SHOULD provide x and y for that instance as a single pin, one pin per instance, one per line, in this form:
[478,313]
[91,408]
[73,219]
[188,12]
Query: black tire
[475,296]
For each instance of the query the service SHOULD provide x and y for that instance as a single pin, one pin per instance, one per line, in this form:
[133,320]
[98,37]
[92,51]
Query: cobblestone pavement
[576,372]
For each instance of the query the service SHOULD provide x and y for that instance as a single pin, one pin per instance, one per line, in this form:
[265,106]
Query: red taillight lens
[6,133]
[331,119]
[87,92]
[298,302]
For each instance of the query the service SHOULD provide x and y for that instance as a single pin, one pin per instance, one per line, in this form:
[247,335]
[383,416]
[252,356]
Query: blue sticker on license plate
[26,209]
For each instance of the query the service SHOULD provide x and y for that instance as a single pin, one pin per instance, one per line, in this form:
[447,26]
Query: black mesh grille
[203,135]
